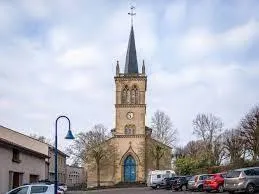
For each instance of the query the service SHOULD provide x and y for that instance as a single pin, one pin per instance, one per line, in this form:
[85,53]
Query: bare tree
[163,129]
[218,150]
[157,155]
[179,152]
[163,136]
[233,144]
[208,127]
[194,148]
[249,128]
[94,149]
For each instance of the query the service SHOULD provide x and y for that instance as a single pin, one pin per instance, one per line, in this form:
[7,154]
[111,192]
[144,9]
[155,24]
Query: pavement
[144,190]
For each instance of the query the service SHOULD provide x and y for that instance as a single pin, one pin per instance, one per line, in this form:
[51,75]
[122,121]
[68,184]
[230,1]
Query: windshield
[192,178]
[210,177]
[233,174]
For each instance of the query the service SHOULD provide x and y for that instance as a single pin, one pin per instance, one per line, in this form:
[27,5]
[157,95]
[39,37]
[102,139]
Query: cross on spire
[131,13]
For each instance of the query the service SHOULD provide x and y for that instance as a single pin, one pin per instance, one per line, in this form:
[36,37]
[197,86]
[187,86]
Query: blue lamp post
[68,136]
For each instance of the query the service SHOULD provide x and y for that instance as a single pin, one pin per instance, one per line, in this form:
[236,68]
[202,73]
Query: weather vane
[131,13]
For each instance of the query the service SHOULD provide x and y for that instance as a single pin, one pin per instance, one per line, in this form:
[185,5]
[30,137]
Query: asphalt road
[132,191]
[136,191]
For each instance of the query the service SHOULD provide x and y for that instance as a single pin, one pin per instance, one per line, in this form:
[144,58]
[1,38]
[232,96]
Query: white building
[75,176]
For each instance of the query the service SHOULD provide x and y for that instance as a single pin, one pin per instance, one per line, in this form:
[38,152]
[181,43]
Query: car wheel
[200,188]
[250,189]
[184,188]
[158,187]
[220,189]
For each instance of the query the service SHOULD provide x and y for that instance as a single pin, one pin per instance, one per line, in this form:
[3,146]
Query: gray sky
[59,57]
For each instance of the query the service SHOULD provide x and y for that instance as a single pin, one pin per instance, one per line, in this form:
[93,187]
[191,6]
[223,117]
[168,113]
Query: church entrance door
[129,169]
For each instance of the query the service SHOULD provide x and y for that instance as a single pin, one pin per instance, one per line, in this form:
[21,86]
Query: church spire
[131,65]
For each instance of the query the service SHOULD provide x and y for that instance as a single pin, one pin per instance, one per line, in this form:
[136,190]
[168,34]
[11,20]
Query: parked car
[62,187]
[214,182]
[244,179]
[167,182]
[197,181]
[156,178]
[180,183]
[34,188]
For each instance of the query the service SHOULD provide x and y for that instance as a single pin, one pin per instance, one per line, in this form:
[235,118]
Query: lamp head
[69,135]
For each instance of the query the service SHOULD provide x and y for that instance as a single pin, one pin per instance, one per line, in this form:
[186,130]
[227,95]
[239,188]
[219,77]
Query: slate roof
[131,65]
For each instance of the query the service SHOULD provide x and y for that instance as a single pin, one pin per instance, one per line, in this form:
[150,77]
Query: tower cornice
[131,78]
[130,136]
[129,105]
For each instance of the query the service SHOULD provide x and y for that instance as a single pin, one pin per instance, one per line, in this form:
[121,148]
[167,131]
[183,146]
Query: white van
[155,178]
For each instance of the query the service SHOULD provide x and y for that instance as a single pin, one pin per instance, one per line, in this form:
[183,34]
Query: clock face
[130,115]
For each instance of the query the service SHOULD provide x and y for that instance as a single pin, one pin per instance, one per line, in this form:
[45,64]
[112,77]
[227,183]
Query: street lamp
[68,136]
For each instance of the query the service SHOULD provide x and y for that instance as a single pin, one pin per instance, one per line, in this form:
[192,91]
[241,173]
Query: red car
[214,182]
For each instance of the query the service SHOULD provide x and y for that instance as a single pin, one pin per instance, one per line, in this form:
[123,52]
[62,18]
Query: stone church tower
[134,149]
[130,131]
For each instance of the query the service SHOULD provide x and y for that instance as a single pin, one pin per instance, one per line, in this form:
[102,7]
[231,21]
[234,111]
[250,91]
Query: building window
[129,129]
[128,96]
[34,178]
[39,189]
[134,95]
[124,94]
[16,156]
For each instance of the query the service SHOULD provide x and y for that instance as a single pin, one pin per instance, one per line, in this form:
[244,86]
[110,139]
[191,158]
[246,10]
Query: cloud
[198,43]
[175,12]
[78,82]
[6,103]
[6,16]
[86,56]
[59,38]
[36,116]
[39,9]
[241,36]
[60,57]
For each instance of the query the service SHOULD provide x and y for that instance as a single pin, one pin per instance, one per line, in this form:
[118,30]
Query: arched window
[134,95]
[124,95]
[128,96]
[130,129]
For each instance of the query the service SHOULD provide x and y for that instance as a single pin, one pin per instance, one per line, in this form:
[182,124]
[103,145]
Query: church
[136,152]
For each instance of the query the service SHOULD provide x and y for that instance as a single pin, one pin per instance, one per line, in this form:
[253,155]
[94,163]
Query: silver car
[244,179]
[196,182]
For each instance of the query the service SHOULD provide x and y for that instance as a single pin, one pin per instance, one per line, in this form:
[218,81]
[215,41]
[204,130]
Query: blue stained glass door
[129,169]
